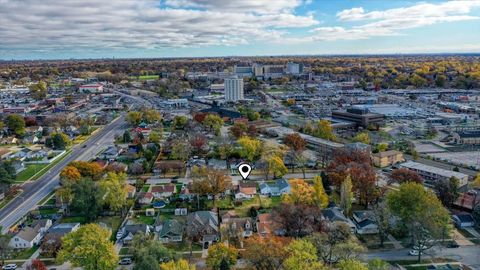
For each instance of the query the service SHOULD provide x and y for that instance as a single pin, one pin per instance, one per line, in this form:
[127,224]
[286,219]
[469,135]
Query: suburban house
[463,221]
[235,225]
[267,227]
[111,153]
[18,165]
[335,214]
[364,222]
[281,186]
[131,230]
[387,158]
[205,226]
[31,235]
[163,191]
[131,190]
[185,193]
[171,231]
[145,198]
[217,164]
[26,238]
[245,190]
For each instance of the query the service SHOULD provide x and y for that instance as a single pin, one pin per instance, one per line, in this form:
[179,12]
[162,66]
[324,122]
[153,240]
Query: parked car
[125,261]
[453,245]
[10,266]
[422,247]
[413,252]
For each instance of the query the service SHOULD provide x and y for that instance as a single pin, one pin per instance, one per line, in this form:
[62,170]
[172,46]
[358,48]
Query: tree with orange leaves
[265,253]
[70,173]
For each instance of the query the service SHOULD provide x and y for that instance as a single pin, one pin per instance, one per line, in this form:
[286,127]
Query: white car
[11,266]
[422,247]
[413,252]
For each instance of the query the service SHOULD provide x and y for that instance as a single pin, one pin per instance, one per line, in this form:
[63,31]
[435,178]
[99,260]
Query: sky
[64,29]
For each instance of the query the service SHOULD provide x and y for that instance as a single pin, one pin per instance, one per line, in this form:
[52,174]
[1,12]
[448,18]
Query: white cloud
[243,6]
[94,24]
[389,22]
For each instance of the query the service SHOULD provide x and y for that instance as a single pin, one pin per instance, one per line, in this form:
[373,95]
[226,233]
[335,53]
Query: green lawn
[112,222]
[225,203]
[243,210]
[24,254]
[35,171]
[72,219]
[48,211]
[30,171]
[148,77]
[145,188]
[141,218]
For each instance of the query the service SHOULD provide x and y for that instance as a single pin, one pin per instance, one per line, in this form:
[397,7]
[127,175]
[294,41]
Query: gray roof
[203,218]
[27,234]
[171,226]
[63,228]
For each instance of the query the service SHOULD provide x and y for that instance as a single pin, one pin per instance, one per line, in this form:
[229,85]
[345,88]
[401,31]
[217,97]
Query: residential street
[35,191]
[469,255]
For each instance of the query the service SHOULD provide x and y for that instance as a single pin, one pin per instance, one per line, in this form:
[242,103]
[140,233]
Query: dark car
[453,245]
[84,146]
[125,261]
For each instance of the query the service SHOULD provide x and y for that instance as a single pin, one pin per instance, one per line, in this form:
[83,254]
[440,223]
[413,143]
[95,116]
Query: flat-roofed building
[432,175]
[471,137]
[360,116]
[387,158]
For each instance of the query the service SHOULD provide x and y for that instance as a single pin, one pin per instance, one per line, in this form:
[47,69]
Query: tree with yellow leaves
[324,130]
[302,255]
[114,188]
[362,137]
[300,193]
[277,167]
[221,255]
[476,182]
[346,195]
[320,197]
[177,265]
[250,148]
[89,247]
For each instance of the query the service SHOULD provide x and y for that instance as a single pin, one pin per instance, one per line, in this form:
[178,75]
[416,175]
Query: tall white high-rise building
[233,89]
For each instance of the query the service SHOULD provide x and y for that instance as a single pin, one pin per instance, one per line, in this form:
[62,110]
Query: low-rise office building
[431,175]
[387,158]
[360,116]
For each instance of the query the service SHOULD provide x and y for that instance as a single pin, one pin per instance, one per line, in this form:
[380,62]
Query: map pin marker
[245,170]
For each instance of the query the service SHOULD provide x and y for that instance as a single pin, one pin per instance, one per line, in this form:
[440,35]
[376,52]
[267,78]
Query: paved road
[468,255]
[35,191]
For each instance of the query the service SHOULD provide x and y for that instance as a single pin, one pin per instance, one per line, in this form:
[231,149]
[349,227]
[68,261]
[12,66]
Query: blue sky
[56,29]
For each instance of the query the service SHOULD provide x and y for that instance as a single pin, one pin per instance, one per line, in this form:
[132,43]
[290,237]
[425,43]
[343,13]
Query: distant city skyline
[53,29]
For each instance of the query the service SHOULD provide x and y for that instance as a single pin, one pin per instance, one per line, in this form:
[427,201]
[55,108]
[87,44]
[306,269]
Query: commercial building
[243,71]
[387,158]
[432,175]
[361,116]
[471,137]
[294,68]
[233,89]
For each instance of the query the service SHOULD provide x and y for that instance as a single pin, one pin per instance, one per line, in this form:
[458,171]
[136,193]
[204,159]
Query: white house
[281,186]
[91,88]
[31,236]
[163,191]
